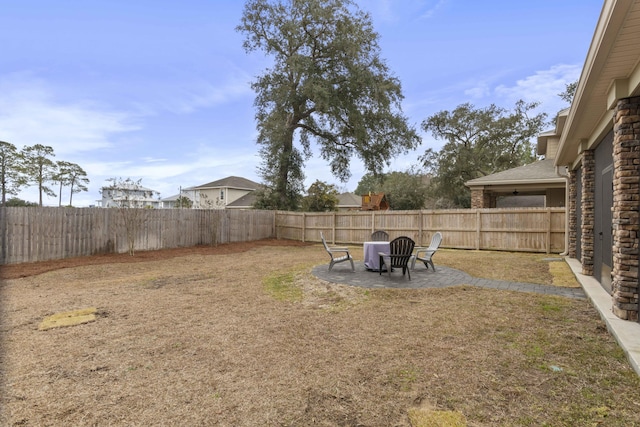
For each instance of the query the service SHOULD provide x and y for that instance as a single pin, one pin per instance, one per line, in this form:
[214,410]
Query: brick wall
[571,211]
[481,199]
[588,211]
[626,206]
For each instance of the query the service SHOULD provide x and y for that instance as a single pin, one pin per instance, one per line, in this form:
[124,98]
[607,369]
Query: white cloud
[382,10]
[30,114]
[226,84]
[204,164]
[206,94]
[543,86]
[481,90]
[398,10]
[482,86]
[433,9]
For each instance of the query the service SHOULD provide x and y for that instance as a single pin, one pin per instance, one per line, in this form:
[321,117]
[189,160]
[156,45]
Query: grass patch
[562,275]
[419,417]
[512,266]
[68,318]
[551,306]
[340,356]
[282,286]
[405,378]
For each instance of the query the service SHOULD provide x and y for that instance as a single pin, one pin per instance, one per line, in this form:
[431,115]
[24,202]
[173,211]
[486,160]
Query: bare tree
[129,198]
[217,205]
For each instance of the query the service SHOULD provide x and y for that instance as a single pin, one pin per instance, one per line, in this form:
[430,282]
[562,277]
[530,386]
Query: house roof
[175,197]
[611,72]
[230,182]
[541,172]
[349,200]
[245,202]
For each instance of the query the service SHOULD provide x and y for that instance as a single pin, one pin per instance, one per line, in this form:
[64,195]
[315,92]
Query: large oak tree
[403,190]
[327,84]
[478,142]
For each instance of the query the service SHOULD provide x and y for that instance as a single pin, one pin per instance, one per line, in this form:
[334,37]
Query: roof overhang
[541,183]
[611,71]
[543,138]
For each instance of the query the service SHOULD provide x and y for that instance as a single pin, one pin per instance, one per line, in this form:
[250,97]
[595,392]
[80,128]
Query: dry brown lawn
[243,335]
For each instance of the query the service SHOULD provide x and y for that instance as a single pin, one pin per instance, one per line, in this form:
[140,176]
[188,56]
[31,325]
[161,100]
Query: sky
[159,91]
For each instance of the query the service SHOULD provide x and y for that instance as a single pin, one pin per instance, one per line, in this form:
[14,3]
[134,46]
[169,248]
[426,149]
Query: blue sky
[160,90]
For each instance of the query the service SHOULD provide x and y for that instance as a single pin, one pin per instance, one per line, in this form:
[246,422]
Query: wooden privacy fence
[526,230]
[41,234]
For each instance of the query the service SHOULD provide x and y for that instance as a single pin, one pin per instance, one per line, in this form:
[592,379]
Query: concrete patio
[421,278]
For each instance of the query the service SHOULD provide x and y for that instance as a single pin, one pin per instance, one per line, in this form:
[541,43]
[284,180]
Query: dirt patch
[191,337]
[14,271]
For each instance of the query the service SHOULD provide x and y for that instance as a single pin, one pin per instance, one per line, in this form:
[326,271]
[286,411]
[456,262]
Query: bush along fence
[526,230]
[42,234]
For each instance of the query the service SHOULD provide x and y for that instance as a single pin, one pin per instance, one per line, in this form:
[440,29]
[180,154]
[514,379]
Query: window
[221,194]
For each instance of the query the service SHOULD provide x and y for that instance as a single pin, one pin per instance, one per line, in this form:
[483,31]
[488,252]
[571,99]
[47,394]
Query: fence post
[333,228]
[276,230]
[420,228]
[478,229]
[549,230]
[304,226]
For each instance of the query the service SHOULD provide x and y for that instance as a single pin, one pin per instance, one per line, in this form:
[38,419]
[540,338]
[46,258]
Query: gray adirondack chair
[334,253]
[426,254]
[379,236]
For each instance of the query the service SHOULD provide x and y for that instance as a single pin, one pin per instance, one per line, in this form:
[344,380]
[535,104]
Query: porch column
[481,199]
[626,206]
[571,212]
[588,210]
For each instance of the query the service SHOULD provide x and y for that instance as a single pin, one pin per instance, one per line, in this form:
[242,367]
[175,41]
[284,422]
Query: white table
[371,257]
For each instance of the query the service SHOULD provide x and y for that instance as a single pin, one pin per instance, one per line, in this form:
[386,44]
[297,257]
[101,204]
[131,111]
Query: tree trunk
[71,192]
[285,165]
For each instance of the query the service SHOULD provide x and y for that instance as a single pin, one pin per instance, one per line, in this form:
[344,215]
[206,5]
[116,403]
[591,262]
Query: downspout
[566,207]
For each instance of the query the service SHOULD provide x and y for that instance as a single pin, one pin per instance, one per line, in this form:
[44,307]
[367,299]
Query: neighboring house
[349,202]
[599,144]
[128,195]
[229,192]
[244,202]
[172,201]
[538,184]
